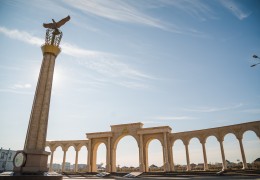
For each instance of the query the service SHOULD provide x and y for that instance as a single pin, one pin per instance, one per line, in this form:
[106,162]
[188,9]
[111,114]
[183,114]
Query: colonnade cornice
[99,134]
[66,144]
[218,132]
[153,130]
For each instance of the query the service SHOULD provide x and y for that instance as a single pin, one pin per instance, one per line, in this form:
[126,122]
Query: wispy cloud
[104,63]
[235,9]
[173,118]
[253,111]
[116,10]
[22,86]
[195,8]
[213,109]
[21,36]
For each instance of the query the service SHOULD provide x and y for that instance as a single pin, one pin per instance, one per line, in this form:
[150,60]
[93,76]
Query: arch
[232,151]
[82,159]
[213,153]
[196,154]
[251,144]
[70,159]
[95,153]
[100,157]
[179,155]
[57,159]
[121,164]
[156,163]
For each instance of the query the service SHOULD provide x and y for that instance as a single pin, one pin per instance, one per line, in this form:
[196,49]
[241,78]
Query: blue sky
[181,63]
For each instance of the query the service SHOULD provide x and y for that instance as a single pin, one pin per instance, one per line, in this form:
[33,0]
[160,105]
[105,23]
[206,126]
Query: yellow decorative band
[50,49]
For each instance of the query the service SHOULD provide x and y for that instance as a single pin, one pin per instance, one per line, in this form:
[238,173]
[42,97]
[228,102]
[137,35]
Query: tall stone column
[64,160]
[141,154]
[242,152]
[204,155]
[34,146]
[51,162]
[108,168]
[187,155]
[76,161]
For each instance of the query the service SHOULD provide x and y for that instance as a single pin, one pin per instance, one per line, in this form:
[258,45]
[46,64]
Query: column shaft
[108,168]
[205,156]
[141,154]
[187,157]
[76,161]
[63,162]
[224,164]
[89,156]
[165,154]
[242,153]
[37,128]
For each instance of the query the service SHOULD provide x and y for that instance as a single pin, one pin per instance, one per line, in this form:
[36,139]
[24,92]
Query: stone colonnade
[143,137]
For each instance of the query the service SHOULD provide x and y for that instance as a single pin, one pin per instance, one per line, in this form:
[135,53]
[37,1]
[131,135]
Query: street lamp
[256,57]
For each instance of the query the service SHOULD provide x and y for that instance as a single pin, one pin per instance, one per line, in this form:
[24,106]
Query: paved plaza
[184,177]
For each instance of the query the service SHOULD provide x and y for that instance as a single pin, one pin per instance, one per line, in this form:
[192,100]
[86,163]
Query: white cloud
[235,9]
[214,109]
[22,86]
[22,36]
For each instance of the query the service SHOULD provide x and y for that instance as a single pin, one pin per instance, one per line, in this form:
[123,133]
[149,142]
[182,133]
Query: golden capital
[50,49]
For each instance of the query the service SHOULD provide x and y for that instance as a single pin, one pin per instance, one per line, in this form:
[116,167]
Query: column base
[36,163]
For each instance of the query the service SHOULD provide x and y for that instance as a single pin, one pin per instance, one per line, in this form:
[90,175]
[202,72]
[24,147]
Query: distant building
[6,159]
[56,167]
[67,166]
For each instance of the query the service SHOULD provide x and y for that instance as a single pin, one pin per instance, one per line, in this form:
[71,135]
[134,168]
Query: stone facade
[144,136]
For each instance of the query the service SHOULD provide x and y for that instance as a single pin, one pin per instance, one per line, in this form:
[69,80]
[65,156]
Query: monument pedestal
[35,163]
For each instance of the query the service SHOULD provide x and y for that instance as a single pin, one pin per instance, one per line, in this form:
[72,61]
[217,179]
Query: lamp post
[256,57]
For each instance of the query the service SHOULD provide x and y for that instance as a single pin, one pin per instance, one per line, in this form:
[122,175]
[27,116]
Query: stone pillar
[108,168]
[242,152]
[187,155]
[51,162]
[34,146]
[141,154]
[224,164]
[165,153]
[171,161]
[76,161]
[89,156]
[204,155]
[64,159]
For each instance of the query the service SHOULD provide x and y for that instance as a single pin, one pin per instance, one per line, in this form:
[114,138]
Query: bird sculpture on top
[55,25]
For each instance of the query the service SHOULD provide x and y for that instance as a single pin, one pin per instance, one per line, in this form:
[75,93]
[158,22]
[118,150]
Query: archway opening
[155,156]
[196,155]
[179,156]
[57,159]
[101,158]
[82,159]
[213,153]
[232,152]
[251,144]
[127,155]
[70,159]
